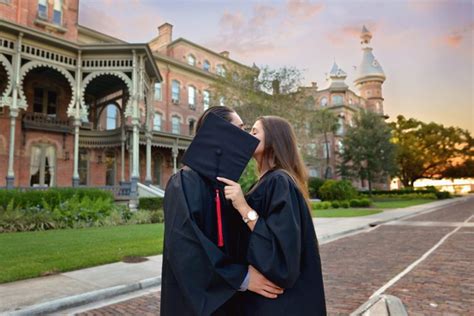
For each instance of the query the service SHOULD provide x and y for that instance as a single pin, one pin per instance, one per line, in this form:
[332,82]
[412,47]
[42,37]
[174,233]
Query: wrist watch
[250,217]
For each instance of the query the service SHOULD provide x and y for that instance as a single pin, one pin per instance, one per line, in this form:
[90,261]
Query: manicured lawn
[393,203]
[344,212]
[32,254]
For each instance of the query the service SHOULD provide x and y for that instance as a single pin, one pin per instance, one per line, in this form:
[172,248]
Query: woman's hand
[259,284]
[233,192]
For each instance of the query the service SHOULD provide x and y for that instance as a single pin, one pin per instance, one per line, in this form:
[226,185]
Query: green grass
[393,203]
[32,254]
[344,212]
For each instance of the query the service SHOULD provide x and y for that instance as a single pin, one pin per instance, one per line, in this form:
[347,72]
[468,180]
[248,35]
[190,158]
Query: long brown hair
[281,151]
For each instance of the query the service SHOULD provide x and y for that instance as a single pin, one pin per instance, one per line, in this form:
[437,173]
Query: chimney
[314,85]
[225,54]
[165,32]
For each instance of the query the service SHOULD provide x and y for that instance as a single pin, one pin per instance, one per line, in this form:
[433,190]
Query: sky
[426,48]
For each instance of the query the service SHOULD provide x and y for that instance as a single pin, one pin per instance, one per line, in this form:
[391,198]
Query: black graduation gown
[199,278]
[283,247]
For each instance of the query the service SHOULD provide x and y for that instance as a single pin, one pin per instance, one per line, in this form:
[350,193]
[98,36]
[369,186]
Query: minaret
[370,75]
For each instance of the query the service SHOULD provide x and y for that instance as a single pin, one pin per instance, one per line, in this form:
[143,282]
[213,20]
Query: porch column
[148,179]
[135,138]
[122,155]
[75,176]
[77,121]
[14,111]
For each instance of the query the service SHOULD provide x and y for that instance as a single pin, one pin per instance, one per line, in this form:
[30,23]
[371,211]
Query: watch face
[252,215]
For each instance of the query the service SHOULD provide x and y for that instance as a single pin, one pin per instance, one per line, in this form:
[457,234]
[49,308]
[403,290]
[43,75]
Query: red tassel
[220,237]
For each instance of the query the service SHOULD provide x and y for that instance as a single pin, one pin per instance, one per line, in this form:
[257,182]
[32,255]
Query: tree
[324,122]
[429,150]
[254,92]
[368,153]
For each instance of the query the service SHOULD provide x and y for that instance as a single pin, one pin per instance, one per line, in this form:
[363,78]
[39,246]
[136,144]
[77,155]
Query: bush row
[342,204]
[52,197]
[407,196]
[150,203]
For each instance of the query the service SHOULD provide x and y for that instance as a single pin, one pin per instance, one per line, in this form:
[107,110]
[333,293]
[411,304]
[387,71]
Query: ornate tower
[370,75]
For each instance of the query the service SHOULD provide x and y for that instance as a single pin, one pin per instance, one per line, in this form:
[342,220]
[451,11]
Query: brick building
[78,107]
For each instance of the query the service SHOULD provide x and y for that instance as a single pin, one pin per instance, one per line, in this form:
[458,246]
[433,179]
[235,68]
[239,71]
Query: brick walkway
[355,267]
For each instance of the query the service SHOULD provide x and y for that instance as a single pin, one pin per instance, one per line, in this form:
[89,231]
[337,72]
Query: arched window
[158,91]
[191,60]
[220,70]
[206,66]
[111,117]
[58,12]
[175,91]
[157,118]
[323,101]
[192,97]
[176,125]
[192,126]
[206,99]
[83,166]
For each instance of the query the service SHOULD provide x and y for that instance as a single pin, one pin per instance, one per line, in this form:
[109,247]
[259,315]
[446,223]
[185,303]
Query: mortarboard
[220,149]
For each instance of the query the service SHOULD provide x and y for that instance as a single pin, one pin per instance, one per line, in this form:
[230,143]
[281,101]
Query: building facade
[339,98]
[81,108]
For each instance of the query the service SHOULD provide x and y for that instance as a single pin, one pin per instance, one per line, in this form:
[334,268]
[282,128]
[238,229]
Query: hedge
[53,196]
[150,203]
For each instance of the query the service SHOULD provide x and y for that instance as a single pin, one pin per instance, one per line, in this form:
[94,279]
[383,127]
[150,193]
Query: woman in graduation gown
[201,273]
[282,244]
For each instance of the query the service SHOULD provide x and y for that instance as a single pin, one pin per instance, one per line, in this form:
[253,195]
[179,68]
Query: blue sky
[425,47]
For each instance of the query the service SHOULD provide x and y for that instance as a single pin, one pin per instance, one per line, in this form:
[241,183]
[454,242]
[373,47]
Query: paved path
[425,260]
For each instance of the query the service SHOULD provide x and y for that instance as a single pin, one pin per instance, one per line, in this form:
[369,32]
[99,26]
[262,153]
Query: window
[206,99]
[191,60]
[337,100]
[43,9]
[220,70]
[111,117]
[83,166]
[327,150]
[175,91]
[42,165]
[311,150]
[157,162]
[158,91]
[192,97]
[206,66]
[192,125]
[222,101]
[45,102]
[340,146]
[323,101]
[313,173]
[58,12]
[157,121]
[175,125]
[340,127]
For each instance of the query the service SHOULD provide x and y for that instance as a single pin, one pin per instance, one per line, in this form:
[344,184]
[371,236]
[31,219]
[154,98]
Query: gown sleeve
[275,243]
[206,276]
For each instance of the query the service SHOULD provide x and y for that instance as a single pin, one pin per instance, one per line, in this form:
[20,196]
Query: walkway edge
[85,298]
[329,238]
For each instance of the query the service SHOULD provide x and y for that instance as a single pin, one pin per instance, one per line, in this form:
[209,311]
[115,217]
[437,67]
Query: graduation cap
[220,149]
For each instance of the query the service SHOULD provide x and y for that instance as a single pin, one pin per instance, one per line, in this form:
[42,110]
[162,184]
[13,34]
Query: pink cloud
[234,21]
[303,9]
[455,38]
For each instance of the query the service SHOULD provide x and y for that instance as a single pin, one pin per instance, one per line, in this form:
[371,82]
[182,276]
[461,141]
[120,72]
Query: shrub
[440,195]
[335,204]
[345,204]
[140,217]
[150,203]
[157,216]
[365,202]
[314,184]
[333,190]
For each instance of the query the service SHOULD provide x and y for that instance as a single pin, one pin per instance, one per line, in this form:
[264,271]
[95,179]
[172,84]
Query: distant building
[337,97]
[81,108]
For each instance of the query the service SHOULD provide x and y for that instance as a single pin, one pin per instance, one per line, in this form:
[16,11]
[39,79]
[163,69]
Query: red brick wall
[25,13]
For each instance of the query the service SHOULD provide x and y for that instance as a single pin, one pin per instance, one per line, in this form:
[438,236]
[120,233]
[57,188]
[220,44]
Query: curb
[85,298]
[333,237]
